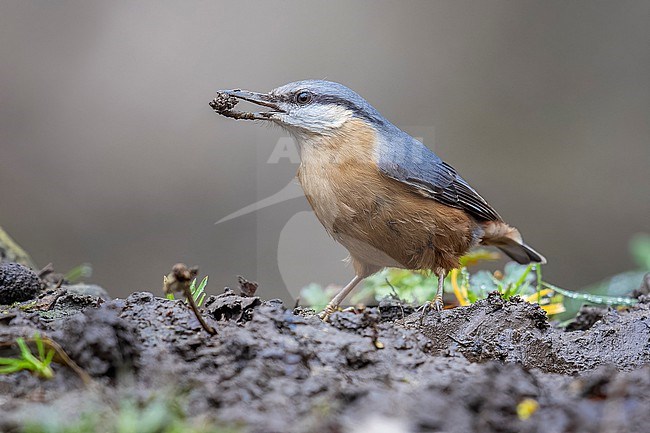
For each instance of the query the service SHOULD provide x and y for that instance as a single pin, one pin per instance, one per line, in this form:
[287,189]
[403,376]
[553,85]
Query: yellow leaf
[526,408]
[459,292]
[476,256]
[534,296]
[551,309]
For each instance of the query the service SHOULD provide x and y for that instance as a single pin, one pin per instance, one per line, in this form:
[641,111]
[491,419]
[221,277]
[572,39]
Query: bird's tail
[508,239]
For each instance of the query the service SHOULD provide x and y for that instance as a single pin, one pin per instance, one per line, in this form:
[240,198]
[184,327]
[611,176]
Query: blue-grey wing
[413,164]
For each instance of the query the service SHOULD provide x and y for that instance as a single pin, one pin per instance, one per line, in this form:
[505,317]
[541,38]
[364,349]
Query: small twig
[395,296]
[237,115]
[392,288]
[179,280]
[462,343]
[47,270]
[85,377]
[190,300]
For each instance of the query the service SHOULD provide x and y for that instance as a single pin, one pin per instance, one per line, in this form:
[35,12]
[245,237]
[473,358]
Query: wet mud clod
[18,283]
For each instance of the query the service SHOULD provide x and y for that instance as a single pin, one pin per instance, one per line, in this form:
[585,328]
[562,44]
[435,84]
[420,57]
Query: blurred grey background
[109,153]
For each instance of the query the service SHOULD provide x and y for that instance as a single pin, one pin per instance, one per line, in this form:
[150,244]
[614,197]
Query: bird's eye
[304,97]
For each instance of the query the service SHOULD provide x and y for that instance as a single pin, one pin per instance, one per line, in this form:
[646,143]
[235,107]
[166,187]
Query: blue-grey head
[310,107]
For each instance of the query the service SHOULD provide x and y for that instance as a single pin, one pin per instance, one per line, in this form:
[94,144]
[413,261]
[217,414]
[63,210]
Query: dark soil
[272,369]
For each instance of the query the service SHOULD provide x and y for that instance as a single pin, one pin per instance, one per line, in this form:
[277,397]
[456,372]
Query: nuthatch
[382,194]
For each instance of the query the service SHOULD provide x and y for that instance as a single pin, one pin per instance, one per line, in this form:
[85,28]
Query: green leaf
[198,292]
[315,296]
[28,361]
[640,250]
[79,273]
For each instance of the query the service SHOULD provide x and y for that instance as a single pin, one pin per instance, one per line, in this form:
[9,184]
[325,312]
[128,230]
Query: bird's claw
[325,314]
[436,305]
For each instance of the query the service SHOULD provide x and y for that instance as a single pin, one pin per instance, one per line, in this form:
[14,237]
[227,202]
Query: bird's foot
[434,305]
[437,304]
[325,314]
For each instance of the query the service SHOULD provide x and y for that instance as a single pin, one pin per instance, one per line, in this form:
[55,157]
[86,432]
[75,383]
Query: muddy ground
[274,369]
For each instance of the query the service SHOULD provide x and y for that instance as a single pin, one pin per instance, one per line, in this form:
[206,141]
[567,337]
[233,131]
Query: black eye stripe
[323,99]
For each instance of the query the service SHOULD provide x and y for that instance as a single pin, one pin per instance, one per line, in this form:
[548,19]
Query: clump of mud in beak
[225,101]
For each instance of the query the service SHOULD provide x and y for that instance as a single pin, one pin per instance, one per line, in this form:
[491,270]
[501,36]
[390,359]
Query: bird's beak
[263,99]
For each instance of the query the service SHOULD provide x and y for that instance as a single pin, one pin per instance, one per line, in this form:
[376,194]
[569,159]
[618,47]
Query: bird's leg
[437,303]
[336,300]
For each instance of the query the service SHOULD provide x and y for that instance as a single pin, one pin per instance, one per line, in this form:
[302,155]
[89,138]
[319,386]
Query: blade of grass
[522,278]
[538,281]
[79,273]
[595,299]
